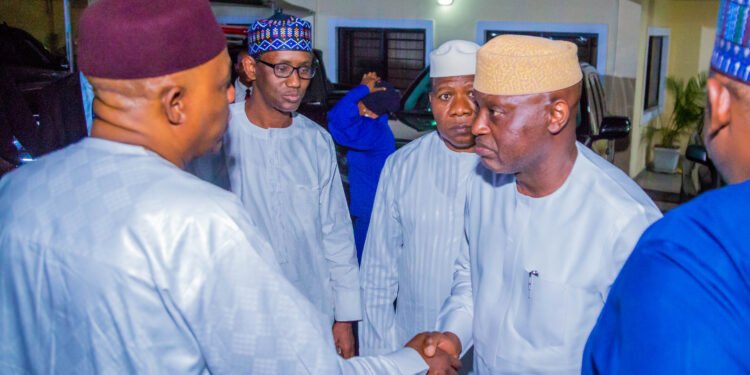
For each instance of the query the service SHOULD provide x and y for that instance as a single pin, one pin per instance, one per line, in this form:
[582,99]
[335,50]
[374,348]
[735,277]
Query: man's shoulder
[58,172]
[610,186]
[306,124]
[310,130]
[411,150]
[718,217]
[111,191]
[186,194]
[706,237]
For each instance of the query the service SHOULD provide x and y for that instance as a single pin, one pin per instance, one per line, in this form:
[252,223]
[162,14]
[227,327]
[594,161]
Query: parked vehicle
[322,94]
[18,48]
[43,81]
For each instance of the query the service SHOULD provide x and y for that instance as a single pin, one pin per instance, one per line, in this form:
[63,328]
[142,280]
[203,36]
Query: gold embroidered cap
[523,65]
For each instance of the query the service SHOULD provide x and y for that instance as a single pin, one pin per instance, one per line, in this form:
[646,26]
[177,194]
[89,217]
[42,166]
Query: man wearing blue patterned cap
[681,304]
[283,167]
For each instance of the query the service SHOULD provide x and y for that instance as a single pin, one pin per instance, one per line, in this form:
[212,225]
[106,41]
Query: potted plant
[686,116]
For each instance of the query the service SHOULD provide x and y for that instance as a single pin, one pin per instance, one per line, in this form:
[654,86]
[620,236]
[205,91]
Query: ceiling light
[445,2]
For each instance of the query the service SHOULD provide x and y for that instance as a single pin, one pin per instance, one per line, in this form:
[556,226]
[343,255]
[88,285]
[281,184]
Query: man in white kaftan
[283,167]
[288,179]
[417,225]
[537,271]
[549,223]
[113,260]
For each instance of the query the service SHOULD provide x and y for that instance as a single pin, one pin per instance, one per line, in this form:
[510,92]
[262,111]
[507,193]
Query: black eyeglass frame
[277,73]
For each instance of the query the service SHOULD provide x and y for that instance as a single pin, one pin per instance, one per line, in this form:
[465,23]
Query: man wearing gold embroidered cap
[548,222]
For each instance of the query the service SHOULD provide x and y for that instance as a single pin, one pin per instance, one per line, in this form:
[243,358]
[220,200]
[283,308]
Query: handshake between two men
[441,351]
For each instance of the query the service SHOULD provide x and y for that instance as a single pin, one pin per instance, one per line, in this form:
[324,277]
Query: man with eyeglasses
[283,167]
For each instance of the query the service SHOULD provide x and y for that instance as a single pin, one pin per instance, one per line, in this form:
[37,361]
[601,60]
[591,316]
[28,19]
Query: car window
[417,113]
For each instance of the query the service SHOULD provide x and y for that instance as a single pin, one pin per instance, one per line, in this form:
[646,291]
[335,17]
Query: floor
[663,188]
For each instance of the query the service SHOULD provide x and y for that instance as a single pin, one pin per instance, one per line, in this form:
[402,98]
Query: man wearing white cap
[548,222]
[417,222]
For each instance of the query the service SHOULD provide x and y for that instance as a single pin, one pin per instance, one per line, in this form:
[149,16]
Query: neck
[265,116]
[547,174]
[245,82]
[114,132]
[453,148]
[468,149]
[737,176]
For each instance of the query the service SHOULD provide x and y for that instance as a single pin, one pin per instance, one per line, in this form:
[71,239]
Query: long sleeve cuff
[461,324]
[408,361]
[348,306]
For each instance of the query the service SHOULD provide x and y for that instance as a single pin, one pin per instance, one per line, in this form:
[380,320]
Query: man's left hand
[343,338]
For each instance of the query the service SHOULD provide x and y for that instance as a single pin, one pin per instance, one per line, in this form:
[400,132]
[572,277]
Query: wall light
[445,2]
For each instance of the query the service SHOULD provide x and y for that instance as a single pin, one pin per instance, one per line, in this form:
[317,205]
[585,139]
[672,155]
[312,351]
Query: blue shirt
[681,304]
[370,142]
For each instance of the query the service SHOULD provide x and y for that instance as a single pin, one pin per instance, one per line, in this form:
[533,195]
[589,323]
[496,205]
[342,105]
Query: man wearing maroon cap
[142,268]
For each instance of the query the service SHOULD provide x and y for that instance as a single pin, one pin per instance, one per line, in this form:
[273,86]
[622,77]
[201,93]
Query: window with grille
[588,43]
[397,55]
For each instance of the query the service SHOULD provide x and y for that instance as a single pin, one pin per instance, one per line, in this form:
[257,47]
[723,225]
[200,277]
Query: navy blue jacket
[369,141]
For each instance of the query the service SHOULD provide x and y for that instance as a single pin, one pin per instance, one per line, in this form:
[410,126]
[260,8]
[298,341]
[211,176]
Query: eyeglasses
[284,70]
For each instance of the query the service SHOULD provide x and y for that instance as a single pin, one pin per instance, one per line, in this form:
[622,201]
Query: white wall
[708,35]
[459,21]
[627,39]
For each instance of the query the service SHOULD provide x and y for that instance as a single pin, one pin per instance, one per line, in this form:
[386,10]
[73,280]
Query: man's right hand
[438,350]
[428,343]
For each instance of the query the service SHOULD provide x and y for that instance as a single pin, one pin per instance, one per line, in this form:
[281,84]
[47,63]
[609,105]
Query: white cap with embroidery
[454,58]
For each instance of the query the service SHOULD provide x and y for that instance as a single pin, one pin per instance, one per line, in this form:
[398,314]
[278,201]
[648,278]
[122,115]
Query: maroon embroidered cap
[131,39]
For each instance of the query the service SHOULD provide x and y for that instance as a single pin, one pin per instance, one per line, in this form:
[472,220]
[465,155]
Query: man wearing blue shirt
[681,304]
[359,121]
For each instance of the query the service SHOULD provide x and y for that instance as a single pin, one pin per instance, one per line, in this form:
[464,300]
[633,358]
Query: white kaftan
[289,182]
[114,261]
[416,231]
[529,287]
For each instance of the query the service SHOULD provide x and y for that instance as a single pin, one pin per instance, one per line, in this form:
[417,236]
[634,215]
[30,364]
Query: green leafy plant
[687,113]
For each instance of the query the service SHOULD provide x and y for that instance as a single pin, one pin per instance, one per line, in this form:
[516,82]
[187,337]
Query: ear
[174,106]
[559,114]
[249,65]
[720,107]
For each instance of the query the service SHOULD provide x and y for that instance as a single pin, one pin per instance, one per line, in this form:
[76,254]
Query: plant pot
[666,159]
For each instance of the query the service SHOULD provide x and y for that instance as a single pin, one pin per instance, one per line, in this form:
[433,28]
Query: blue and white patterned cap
[279,33]
[731,55]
